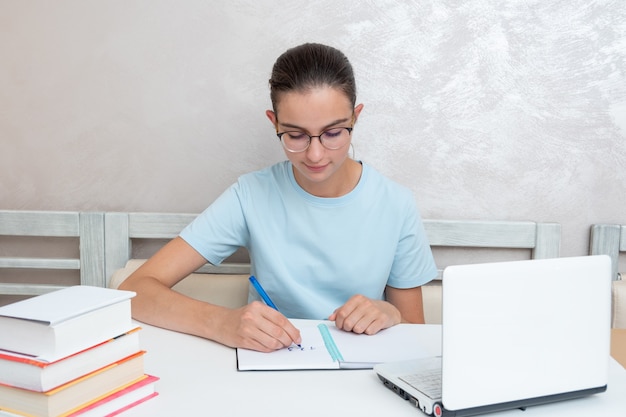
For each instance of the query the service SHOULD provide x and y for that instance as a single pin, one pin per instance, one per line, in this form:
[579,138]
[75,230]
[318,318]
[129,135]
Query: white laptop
[514,334]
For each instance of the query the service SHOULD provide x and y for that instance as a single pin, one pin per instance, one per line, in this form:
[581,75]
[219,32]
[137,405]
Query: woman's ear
[357,111]
[272,116]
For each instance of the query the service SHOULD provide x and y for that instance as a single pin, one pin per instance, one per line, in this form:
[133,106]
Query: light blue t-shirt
[312,254]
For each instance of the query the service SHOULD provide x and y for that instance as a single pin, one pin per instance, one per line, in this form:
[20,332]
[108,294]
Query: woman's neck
[341,183]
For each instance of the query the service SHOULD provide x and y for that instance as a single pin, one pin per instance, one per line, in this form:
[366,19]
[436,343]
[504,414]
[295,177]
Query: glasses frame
[280,137]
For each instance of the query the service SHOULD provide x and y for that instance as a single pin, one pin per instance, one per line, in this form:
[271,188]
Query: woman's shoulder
[379,180]
[279,168]
[264,177]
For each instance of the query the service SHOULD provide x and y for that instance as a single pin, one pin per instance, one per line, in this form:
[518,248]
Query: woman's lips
[316,168]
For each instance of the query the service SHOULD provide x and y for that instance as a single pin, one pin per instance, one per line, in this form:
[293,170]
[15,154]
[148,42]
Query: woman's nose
[315,149]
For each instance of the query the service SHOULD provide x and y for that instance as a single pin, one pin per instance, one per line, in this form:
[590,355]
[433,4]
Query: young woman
[328,237]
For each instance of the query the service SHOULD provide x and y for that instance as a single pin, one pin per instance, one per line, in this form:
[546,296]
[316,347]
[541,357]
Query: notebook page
[311,355]
[400,342]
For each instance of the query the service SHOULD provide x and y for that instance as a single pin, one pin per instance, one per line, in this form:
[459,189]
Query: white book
[66,321]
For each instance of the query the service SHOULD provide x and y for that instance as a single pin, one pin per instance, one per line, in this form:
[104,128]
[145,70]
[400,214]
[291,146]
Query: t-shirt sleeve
[220,229]
[413,264]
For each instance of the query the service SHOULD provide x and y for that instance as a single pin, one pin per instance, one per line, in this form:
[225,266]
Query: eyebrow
[336,122]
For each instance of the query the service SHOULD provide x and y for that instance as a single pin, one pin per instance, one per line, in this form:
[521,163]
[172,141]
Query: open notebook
[514,334]
[326,347]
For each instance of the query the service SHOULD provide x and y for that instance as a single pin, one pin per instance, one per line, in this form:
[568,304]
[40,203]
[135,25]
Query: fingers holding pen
[264,329]
[277,326]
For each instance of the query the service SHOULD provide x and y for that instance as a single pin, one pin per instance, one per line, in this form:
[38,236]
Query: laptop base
[439,411]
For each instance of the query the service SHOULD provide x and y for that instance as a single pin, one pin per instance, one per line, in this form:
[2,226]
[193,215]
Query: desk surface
[200,377]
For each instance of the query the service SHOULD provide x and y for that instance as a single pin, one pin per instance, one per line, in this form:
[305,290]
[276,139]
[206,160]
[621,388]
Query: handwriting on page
[294,348]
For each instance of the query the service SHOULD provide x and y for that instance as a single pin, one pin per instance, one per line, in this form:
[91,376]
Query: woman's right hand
[257,327]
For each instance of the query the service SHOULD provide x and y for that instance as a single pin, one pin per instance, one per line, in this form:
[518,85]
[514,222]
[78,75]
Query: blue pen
[264,296]
[262,292]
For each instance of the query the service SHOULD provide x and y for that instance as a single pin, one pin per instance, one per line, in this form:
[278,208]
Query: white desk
[200,378]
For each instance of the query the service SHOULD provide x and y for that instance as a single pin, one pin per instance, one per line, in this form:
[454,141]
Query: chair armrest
[121,274]
[228,290]
[431,301]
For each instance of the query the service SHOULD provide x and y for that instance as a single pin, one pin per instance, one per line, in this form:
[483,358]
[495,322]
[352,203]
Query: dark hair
[309,66]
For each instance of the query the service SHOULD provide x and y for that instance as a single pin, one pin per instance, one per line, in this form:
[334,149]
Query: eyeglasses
[296,141]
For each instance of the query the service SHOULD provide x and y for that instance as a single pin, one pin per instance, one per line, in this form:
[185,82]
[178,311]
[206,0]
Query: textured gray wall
[486,109]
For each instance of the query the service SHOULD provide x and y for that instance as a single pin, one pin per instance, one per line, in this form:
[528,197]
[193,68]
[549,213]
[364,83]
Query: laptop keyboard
[427,381]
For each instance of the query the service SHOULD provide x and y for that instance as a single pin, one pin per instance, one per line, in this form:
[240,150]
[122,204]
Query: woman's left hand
[364,315]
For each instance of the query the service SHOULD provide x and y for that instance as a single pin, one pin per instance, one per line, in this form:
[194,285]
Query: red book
[126,397]
[75,394]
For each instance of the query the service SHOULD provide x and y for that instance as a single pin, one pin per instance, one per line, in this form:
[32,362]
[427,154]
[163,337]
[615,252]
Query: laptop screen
[524,329]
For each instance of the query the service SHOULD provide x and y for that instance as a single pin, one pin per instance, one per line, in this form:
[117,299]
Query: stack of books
[72,352]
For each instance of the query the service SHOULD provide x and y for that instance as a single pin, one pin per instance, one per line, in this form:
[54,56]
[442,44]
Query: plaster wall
[510,110]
